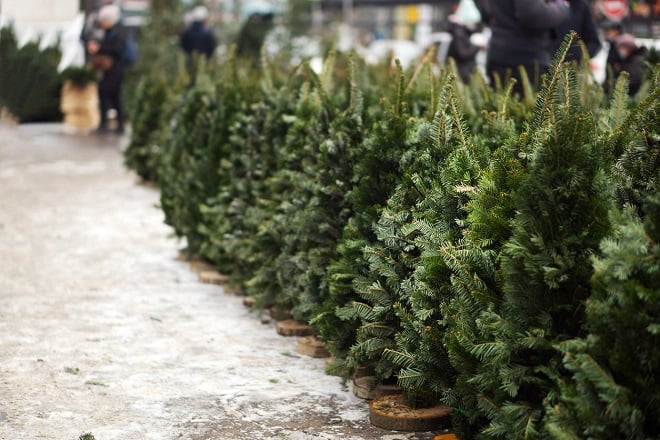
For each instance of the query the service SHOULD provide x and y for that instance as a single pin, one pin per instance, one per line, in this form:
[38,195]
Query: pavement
[103,330]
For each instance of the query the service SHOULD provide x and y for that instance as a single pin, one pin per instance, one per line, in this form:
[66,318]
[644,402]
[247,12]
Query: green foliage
[233,217]
[456,260]
[637,168]
[374,175]
[159,51]
[30,84]
[154,106]
[613,387]
[561,215]
[188,168]
[78,76]
[394,255]
[613,391]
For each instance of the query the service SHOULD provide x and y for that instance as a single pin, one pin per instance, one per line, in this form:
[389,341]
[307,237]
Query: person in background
[522,34]
[91,29]
[106,56]
[463,23]
[580,20]
[632,58]
[611,31]
[197,37]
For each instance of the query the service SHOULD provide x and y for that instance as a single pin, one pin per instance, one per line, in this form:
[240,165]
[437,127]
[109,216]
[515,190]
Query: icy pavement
[103,330]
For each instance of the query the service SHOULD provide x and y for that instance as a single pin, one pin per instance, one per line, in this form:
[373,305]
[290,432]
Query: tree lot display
[493,254]
[29,81]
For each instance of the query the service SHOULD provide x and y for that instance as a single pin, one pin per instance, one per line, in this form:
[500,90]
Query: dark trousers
[110,96]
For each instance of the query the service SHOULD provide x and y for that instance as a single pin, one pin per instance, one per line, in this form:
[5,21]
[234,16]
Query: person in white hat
[462,23]
[106,56]
[197,37]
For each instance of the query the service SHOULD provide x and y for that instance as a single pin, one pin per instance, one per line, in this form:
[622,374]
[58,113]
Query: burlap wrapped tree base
[80,106]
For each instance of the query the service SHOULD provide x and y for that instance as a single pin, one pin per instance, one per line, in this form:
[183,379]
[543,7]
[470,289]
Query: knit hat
[110,14]
[200,13]
[626,40]
[466,13]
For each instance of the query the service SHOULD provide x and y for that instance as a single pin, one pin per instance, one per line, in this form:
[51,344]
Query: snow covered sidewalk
[103,330]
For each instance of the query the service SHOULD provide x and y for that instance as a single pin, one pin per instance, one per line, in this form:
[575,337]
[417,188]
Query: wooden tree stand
[445,437]
[368,387]
[212,277]
[80,106]
[199,266]
[389,412]
[289,327]
[310,346]
[279,314]
[249,301]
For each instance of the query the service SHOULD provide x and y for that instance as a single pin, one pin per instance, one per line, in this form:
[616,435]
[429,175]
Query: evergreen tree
[305,125]
[233,218]
[474,258]
[425,371]
[153,95]
[375,172]
[614,388]
[187,174]
[562,207]
[394,256]
[635,137]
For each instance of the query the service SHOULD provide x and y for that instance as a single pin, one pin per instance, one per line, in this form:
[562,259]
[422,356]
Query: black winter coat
[523,31]
[113,44]
[197,38]
[580,20]
[462,50]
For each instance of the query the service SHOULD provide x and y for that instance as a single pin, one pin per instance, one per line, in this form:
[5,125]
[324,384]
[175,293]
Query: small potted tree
[79,99]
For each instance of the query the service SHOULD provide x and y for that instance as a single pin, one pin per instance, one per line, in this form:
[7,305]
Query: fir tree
[392,259]
[473,260]
[277,203]
[150,114]
[562,207]
[232,218]
[425,371]
[635,138]
[187,175]
[614,388]
[375,172]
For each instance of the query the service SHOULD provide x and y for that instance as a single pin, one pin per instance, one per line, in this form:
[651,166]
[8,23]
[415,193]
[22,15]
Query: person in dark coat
[197,37]
[106,56]
[632,59]
[522,34]
[611,31]
[580,20]
[462,24]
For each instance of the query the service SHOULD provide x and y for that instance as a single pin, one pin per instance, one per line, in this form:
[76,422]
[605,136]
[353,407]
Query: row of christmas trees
[496,254]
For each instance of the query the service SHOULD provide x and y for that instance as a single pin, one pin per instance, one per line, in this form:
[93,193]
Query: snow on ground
[103,330]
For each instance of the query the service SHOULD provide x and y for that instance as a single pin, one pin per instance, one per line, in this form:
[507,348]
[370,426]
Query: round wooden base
[249,301]
[289,327]
[198,266]
[310,346]
[445,437]
[279,314]
[212,277]
[389,412]
[368,387]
